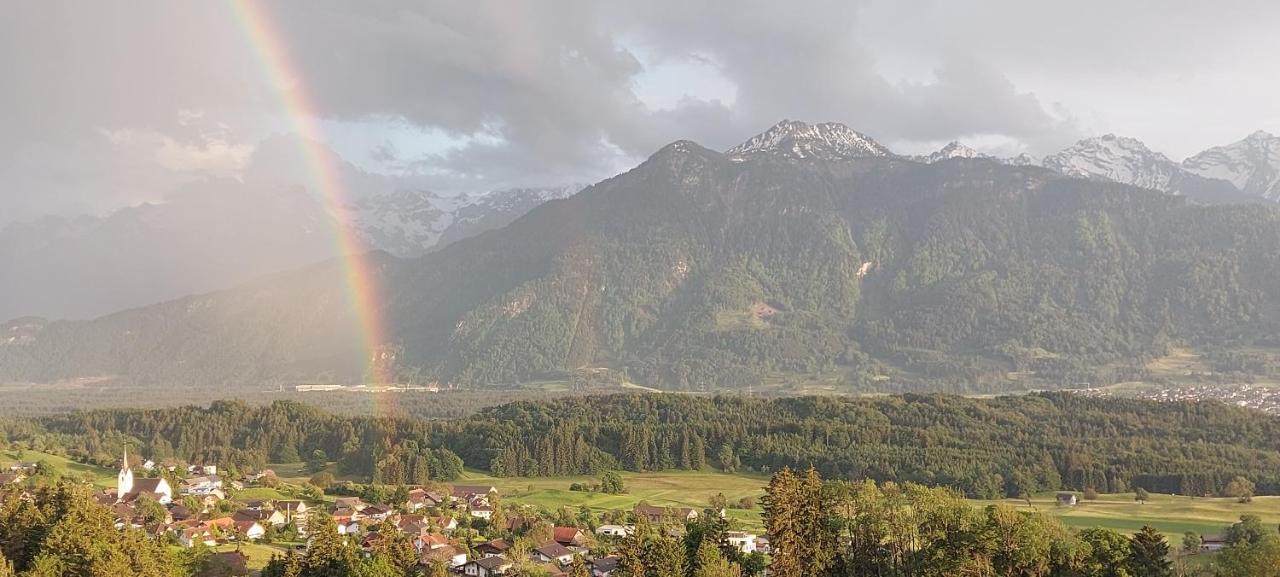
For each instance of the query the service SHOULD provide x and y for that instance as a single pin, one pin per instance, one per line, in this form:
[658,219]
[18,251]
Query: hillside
[700,270]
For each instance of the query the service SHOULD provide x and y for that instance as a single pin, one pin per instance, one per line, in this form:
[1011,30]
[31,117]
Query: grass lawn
[100,477]
[674,488]
[298,474]
[257,553]
[1171,514]
[263,494]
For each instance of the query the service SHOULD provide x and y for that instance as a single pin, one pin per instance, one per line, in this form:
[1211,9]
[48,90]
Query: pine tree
[797,519]
[396,547]
[709,562]
[686,451]
[665,557]
[698,454]
[783,526]
[328,555]
[1149,554]
[288,566]
[820,538]
[631,552]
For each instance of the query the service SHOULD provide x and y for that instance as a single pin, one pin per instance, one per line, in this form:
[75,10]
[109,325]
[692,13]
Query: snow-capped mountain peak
[411,222]
[795,139]
[952,150]
[1023,159]
[1117,158]
[1252,165]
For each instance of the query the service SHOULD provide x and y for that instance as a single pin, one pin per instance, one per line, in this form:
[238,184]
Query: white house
[202,469]
[203,485]
[552,552]
[445,524]
[252,530]
[615,530]
[189,537]
[741,540]
[486,567]
[348,527]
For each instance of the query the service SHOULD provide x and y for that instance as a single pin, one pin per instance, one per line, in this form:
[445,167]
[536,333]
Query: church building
[129,489]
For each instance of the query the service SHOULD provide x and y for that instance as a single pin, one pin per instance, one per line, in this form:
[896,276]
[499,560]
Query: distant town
[1261,397]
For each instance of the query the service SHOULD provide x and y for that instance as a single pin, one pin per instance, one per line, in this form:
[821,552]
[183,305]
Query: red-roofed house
[569,536]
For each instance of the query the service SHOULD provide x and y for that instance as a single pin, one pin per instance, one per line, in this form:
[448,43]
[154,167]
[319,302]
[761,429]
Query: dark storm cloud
[113,102]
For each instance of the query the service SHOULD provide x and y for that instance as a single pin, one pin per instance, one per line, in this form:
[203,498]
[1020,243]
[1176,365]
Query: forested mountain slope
[698,270]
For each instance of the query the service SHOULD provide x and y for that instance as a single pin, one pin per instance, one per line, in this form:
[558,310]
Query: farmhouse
[552,552]
[569,536]
[494,548]
[486,567]
[190,537]
[470,492]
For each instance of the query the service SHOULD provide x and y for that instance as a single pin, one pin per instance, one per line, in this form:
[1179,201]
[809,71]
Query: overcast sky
[107,104]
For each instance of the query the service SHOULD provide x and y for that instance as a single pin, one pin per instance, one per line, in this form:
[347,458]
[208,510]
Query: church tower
[124,480]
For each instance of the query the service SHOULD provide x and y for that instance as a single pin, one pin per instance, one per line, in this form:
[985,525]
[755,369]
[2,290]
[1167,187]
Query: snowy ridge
[403,222]
[411,222]
[1117,158]
[797,140]
[1023,159]
[512,198]
[1252,165]
[952,150]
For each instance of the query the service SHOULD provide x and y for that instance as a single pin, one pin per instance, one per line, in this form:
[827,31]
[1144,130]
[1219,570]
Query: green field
[1172,515]
[100,477]
[258,554]
[671,488]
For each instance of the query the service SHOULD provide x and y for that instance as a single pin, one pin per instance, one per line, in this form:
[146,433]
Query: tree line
[984,448]
[821,528]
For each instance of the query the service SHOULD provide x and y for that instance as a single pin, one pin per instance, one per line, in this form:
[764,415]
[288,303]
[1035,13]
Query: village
[461,527]
[1262,397]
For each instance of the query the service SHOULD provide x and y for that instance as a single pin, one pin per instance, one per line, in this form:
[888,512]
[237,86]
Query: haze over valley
[868,288]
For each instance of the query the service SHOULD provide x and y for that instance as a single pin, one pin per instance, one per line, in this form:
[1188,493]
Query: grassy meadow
[1171,514]
[98,476]
[670,488]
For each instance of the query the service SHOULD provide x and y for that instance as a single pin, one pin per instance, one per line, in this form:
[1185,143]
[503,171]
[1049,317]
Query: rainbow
[361,281]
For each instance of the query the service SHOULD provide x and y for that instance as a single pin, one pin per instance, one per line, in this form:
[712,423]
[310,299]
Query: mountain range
[219,234]
[808,250]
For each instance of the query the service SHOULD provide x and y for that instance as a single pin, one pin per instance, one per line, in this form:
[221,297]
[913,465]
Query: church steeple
[124,480]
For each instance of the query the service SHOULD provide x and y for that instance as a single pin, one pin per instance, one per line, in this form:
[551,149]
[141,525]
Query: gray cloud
[117,103]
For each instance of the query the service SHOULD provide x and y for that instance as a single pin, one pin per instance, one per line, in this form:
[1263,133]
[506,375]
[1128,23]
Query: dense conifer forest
[1006,446]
